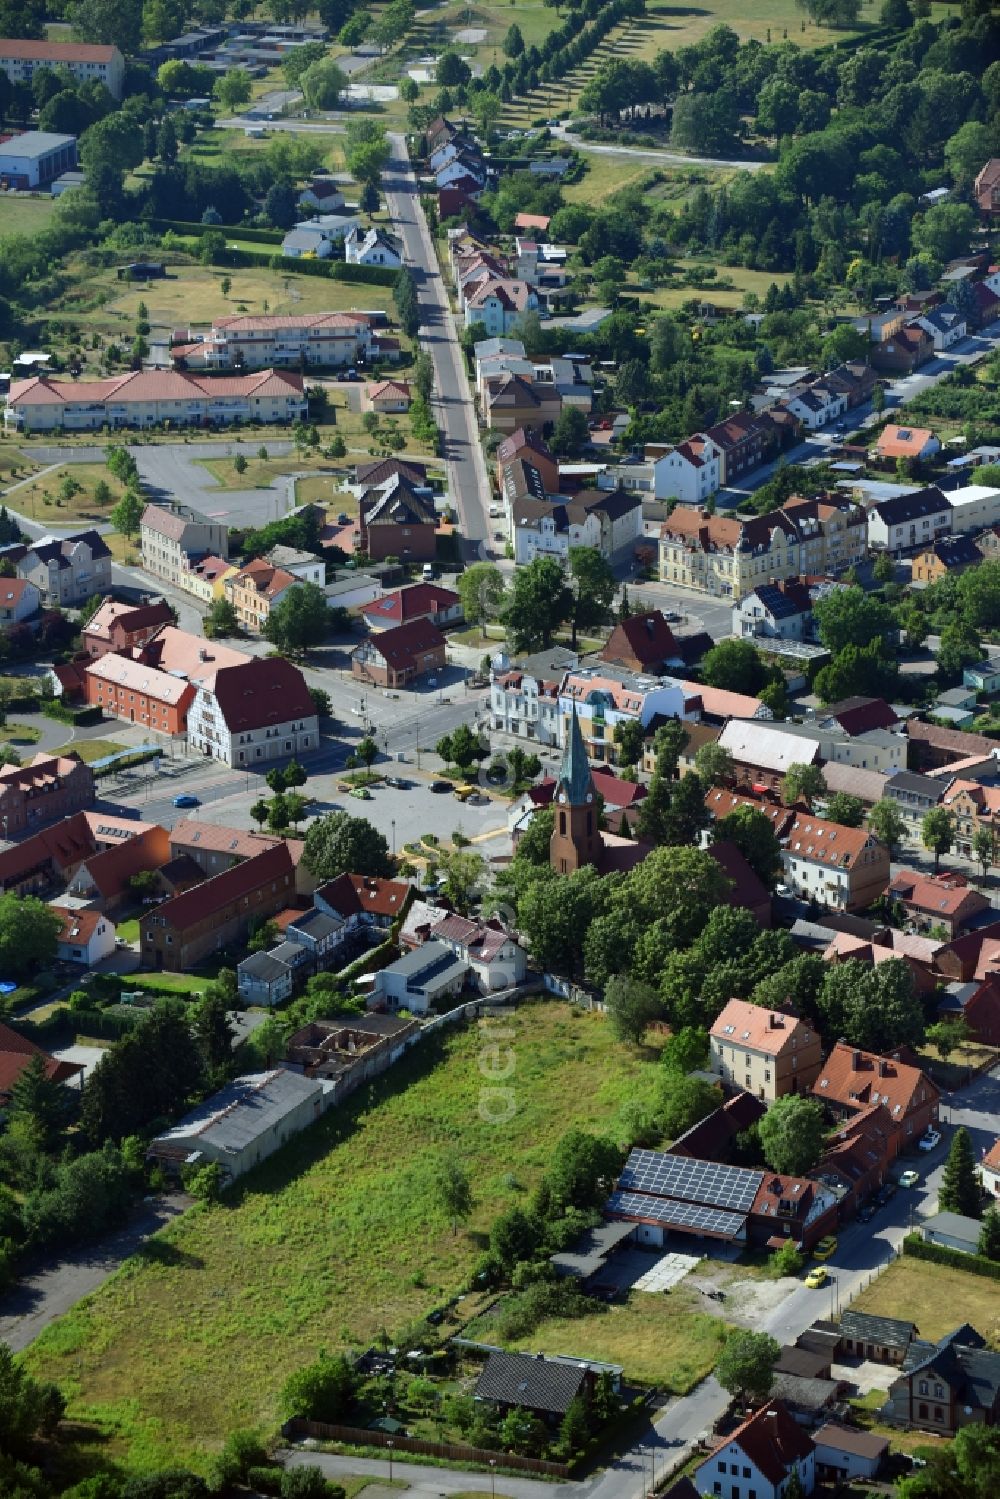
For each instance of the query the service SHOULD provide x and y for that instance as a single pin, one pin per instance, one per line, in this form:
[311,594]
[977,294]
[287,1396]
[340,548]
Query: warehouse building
[35,159]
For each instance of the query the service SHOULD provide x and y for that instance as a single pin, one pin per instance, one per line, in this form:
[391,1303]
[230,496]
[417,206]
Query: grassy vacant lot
[338,1236]
[660,1339]
[23,215]
[217,147]
[41,500]
[939,1297]
[743,280]
[192,294]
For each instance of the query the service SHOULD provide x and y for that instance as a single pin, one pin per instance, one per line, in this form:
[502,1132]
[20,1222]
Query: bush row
[975,1264]
[53,708]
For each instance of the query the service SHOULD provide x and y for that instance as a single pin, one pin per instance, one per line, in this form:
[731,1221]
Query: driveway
[453,407]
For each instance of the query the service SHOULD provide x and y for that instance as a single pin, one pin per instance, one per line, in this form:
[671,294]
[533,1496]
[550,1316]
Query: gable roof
[356,894]
[857,715]
[415,602]
[401,646]
[16,1052]
[829,843]
[856,1078]
[902,508]
[771,1439]
[215,893]
[530,1381]
[766,746]
[763,1030]
[260,692]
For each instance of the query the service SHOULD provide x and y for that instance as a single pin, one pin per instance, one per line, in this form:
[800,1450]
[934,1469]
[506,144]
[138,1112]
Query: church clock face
[562,797]
[590,796]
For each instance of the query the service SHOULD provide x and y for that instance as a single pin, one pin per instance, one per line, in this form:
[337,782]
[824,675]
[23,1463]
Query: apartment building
[149,398]
[182,931]
[21,59]
[279,340]
[909,521]
[524,695]
[842,868]
[691,472]
[766,1052]
[609,522]
[398,520]
[851,1080]
[724,556]
[604,697]
[175,537]
[49,787]
[245,711]
[972,807]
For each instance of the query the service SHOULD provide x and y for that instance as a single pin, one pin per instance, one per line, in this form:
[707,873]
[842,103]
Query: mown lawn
[937,1297]
[658,1339]
[41,498]
[23,215]
[192,294]
[90,750]
[336,1238]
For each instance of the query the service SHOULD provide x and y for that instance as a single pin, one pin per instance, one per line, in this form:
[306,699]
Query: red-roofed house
[119,627]
[759,1458]
[989,1169]
[495,959]
[944,899]
[388,396]
[145,398]
[364,900]
[856,1157]
[767,1052]
[397,657]
[851,1080]
[182,931]
[746,889]
[842,868]
[16,1052]
[19,600]
[86,62]
[441,606]
[256,589]
[643,642]
[87,936]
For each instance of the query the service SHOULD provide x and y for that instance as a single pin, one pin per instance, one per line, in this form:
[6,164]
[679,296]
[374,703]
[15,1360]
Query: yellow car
[825,1248]
[816,1278]
[464,792]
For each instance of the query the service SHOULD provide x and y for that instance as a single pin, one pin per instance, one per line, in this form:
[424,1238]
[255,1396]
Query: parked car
[886,1193]
[817,1277]
[930,1140]
[867,1211]
[362,793]
[826,1247]
[909,1178]
[440,787]
[398,783]
[186,800]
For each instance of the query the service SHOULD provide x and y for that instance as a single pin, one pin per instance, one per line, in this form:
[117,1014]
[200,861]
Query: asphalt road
[653,155]
[453,406]
[56,1285]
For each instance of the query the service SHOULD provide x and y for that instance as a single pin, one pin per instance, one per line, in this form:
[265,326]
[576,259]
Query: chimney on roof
[883,1067]
[855,1061]
[775,1021]
[202,654]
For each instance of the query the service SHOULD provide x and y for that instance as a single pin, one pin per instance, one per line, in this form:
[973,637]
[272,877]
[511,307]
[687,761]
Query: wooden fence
[358,1436]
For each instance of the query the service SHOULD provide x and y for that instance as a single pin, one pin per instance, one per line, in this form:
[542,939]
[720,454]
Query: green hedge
[53,708]
[377,957]
[256,236]
[939,1254]
[333,270]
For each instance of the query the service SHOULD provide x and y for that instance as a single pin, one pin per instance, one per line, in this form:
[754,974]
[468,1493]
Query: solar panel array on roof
[687,1215]
[665,1175]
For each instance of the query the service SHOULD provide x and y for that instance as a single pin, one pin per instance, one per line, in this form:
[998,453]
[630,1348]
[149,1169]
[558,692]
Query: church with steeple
[575,840]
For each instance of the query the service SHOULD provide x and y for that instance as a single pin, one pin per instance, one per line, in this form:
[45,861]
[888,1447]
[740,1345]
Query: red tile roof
[400,647]
[771,1439]
[215,894]
[648,637]
[16,1052]
[856,715]
[720,801]
[353,894]
[856,1078]
[261,692]
[938,895]
[767,1031]
[78,926]
[415,602]
[827,843]
[152,385]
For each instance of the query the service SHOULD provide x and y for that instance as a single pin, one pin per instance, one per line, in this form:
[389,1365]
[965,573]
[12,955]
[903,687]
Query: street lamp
[389,1445]
[393,837]
[493,1477]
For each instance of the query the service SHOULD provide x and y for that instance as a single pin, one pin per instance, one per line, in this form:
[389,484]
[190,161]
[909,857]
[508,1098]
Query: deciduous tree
[791,1133]
[341,844]
[938,833]
[746,1365]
